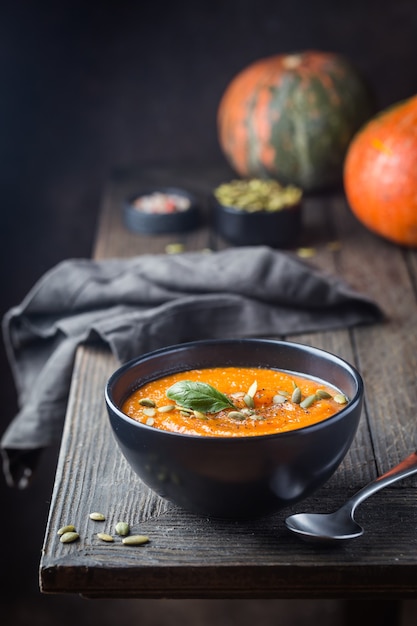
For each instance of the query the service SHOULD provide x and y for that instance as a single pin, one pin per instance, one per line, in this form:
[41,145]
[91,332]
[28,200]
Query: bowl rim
[353,402]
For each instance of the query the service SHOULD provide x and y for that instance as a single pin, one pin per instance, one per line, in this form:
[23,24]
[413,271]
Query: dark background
[87,87]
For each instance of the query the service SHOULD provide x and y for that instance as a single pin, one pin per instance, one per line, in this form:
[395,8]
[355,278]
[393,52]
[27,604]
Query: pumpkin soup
[233,402]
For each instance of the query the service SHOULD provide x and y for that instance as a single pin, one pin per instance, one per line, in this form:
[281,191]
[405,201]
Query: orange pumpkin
[292,116]
[380,174]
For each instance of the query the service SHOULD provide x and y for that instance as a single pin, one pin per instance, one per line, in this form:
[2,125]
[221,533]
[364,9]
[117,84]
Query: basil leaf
[198,397]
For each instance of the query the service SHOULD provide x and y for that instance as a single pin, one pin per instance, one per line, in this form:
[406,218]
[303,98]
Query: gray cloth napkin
[139,304]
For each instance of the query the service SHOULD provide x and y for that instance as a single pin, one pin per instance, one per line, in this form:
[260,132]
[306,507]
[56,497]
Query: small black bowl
[238,477]
[278,229]
[161,223]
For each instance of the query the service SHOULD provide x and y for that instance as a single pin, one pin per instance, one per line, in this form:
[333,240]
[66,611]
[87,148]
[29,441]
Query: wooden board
[192,557]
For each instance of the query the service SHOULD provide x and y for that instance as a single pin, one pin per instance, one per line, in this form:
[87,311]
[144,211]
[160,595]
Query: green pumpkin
[292,117]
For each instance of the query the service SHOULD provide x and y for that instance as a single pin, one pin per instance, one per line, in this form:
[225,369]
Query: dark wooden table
[192,557]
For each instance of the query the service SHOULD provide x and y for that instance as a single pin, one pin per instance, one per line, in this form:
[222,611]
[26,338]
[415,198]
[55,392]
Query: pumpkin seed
[135,540]
[174,248]
[253,389]
[166,408]
[150,421]
[236,415]
[69,537]
[323,394]
[296,396]
[122,528]
[147,402]
[97,517]
[66,529]
[307,402]
[340,398]
[184,409]
[248,400]
[149,412]
[279,399]
[200,415]
[105,537]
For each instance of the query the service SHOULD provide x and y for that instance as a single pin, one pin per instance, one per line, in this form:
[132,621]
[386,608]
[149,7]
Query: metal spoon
[340,525]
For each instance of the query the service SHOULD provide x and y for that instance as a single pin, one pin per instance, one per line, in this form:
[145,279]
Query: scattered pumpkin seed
[296,396]
[149,412]
[279,399]
[135,540]
[166,408]
[253,389]
[333,246]
[105,537]
[150,421]
[323,394]
[69,528]
[236,415]
[248,400]
[174,248]
[306,253]
[122,528]
[200,415]
[147,402]
[97,517]
[340,398]
[69,537]
[307,402]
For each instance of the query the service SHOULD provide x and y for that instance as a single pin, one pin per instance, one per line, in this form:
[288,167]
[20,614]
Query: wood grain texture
[193,557]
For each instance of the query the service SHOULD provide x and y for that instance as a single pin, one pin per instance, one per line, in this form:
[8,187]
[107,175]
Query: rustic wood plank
[193,557]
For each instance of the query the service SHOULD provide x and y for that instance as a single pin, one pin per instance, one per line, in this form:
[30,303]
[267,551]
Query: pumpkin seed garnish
[150,421]
[340,398]
[307,402]
[122,528]
[69,537]
[105,537]
[147,402]
[296,395]
[166,408]
[279,399]
[135,540]
[323,394]
[236,415]
[200,415]
[97,517]
[248,400]
[69,528]
[253,389]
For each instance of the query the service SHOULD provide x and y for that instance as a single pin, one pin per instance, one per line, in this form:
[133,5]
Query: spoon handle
[407,467]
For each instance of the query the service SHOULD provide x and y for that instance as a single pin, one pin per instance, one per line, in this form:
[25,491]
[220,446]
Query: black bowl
[239,477]
[161,223]
[278,229]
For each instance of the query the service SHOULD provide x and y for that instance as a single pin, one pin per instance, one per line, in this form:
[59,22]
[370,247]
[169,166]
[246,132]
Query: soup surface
[233,402]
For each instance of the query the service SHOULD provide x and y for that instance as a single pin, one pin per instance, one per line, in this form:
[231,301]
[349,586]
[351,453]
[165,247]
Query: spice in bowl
[161,210]
[161,203]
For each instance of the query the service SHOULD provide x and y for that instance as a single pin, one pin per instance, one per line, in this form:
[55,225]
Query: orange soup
[233,402]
